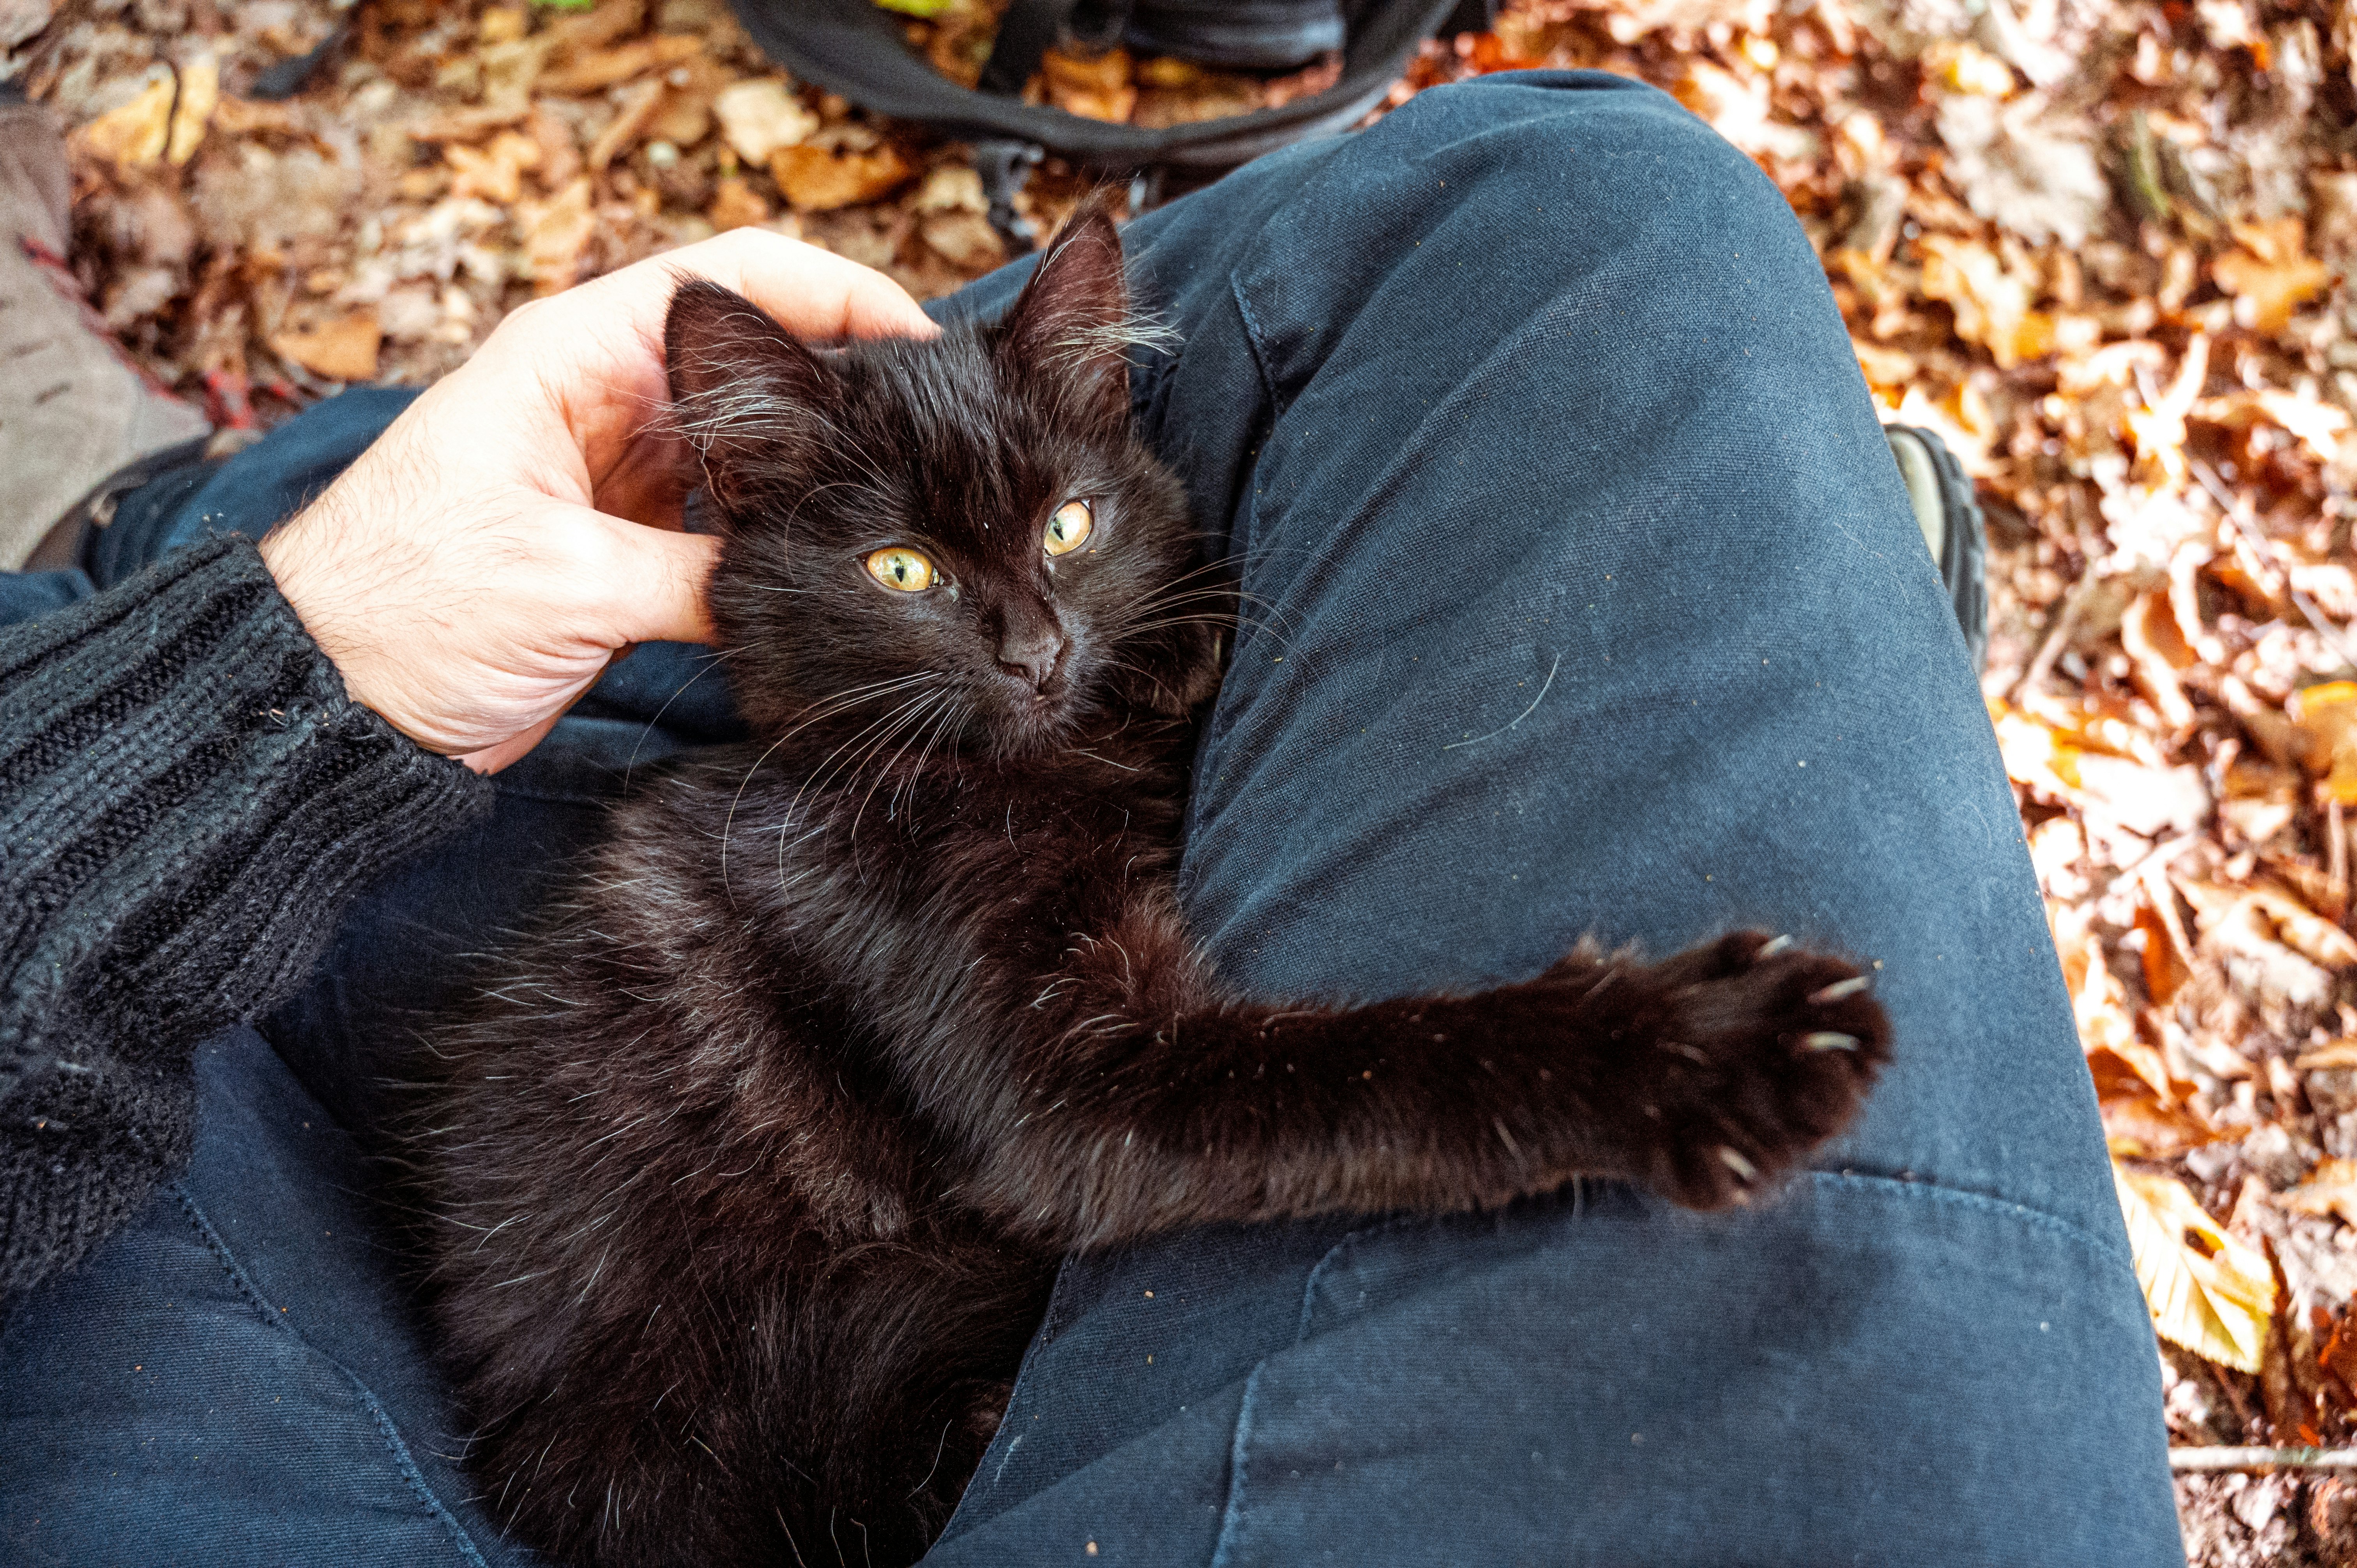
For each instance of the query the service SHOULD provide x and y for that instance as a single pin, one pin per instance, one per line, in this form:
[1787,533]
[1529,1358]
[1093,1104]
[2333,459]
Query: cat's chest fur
[782,921]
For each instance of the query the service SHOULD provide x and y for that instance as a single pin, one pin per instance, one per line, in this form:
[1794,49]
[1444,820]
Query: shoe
[1953,529]
[72,409]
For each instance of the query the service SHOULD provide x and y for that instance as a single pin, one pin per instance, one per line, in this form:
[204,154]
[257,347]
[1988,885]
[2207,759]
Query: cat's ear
[748,395]
[1073,320]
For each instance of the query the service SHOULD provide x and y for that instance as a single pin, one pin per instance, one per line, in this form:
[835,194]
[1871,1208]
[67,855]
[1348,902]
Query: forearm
[188,798]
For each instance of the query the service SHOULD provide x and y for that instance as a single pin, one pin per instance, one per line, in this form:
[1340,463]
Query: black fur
[748,1180]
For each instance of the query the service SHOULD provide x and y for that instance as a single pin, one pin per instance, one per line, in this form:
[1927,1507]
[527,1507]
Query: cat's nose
[1030,646]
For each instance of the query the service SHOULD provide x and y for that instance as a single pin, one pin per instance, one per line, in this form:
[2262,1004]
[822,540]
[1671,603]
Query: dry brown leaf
[2206,1291]
[596,69]
[686,117]
[2325,718]
[2339,1053]
[820,179]
[2331,1188]
[736,204]
[2024,166]
[757,118]
[2138,1127]
[343,349]
[468,124]
[199,95]
[555,232]
[134,135]
[2270,275]
[639,106]
[494,173]
[964,240]
[2150,635]
[1992,303]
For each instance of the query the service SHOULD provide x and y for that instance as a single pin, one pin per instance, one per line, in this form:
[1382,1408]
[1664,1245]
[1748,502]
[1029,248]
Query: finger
[812,292]
[656,582]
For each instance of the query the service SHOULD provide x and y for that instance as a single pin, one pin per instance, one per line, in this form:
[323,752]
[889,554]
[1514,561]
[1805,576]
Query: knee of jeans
[1603,159]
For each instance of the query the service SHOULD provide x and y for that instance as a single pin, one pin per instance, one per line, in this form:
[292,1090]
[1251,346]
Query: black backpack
[855,48]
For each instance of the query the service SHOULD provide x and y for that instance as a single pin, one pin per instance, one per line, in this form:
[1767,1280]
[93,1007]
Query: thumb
[659,579]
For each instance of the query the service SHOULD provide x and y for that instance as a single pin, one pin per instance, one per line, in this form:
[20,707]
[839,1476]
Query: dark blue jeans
[1585,597]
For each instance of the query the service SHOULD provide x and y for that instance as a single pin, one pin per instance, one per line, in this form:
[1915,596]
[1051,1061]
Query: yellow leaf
[199,95]
[2206,1291]
[2342,1052]
[134,135]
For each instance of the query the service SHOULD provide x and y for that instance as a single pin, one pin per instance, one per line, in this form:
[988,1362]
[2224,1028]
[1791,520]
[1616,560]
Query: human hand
[478,568]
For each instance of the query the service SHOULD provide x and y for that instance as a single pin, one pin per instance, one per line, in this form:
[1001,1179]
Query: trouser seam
[395,1445]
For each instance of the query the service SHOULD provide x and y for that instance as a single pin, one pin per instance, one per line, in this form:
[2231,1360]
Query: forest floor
[2100,246]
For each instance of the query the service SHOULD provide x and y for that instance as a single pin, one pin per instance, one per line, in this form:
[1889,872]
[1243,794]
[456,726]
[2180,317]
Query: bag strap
[1025,34]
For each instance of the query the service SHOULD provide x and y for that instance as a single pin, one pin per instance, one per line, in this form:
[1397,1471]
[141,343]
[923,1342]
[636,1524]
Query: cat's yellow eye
[1068,527]
[897,567]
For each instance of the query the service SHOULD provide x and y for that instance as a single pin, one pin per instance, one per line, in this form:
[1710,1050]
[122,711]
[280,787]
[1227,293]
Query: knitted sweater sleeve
[188,800]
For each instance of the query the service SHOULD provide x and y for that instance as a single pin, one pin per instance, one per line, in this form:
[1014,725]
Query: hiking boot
[73,410]
[1953,529]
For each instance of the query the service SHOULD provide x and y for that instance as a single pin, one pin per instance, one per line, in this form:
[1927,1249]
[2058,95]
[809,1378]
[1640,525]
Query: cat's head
[958,537]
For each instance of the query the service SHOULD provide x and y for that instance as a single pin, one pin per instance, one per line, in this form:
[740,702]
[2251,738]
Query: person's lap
[1585,597]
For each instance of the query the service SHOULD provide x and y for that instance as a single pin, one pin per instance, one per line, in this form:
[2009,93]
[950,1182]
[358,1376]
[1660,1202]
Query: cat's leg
[1162,1099]
[764,1422]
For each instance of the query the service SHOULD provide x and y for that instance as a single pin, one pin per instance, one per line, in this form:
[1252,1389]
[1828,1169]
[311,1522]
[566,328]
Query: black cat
[748,1180]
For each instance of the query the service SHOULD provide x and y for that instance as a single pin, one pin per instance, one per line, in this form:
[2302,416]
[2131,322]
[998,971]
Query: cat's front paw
[1749,1052]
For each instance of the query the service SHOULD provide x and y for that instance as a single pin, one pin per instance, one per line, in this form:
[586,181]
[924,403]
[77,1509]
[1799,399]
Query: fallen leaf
[757,118]
[1992,302]
[555,232]
[2337,1053]
[134,135]
[736,204]
[964,240]
[2158,649]
[1962,66]
[2206,1291]
[2325,722]
[820,179]
[343,349]
[638,109]
[2270,275]
[2138,1127]
[2026,166]
[600,69]
[494,173]
[199,95]
[686,117]
[2331,1188]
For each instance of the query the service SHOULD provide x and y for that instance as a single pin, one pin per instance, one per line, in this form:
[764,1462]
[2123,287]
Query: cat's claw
[1759,1050]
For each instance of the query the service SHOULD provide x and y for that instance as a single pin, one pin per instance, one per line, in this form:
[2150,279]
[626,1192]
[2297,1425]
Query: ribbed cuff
[188,801]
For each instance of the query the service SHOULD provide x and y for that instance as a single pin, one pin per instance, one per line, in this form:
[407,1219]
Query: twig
[2206,1459]
[2266,549]
[2065,622]
[2154,861]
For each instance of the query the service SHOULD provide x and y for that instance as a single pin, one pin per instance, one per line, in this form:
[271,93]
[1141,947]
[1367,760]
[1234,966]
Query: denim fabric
[1584,598]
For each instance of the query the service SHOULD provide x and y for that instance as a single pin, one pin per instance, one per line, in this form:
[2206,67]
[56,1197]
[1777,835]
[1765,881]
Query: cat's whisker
[835,704]
[828,769]
[883,772]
